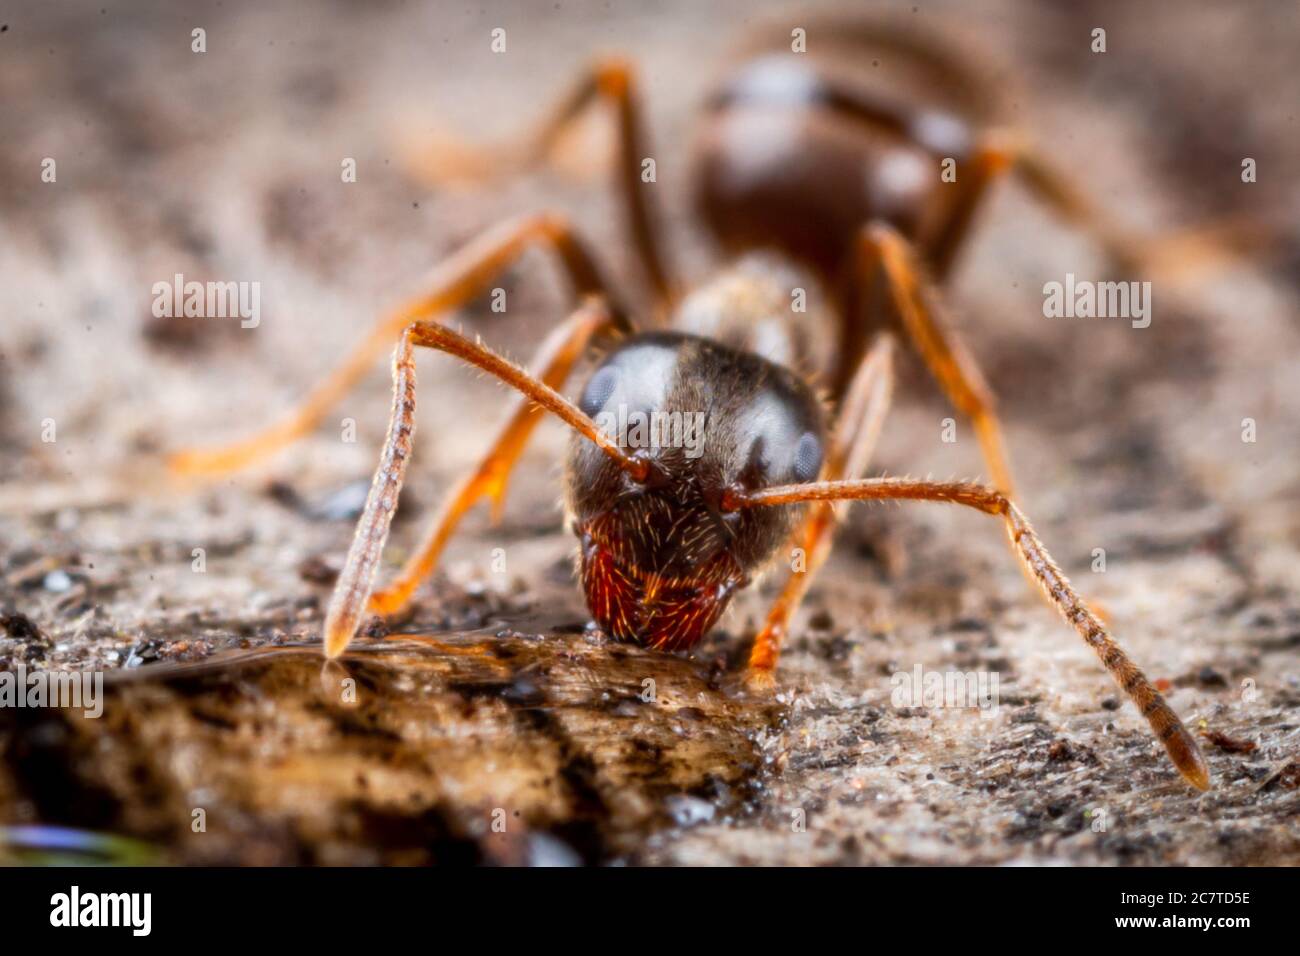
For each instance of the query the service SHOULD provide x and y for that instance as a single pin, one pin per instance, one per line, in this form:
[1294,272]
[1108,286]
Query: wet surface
[496,747]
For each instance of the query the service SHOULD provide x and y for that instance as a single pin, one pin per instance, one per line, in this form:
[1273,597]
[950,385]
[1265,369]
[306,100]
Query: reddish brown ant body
[820,181]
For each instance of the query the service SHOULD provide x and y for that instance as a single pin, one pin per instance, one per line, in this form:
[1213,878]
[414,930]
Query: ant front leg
[915,299]
[551,366]
[352,590]
[861,416]
[613,81]
[1039,566]
[458,280]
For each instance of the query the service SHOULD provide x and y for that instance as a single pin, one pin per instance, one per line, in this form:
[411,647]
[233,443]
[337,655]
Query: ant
[812,179]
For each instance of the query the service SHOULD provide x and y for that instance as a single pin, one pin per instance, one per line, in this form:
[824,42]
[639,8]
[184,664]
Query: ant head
[660,555]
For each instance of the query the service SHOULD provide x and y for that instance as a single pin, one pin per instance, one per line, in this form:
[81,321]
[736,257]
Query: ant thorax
[764,304]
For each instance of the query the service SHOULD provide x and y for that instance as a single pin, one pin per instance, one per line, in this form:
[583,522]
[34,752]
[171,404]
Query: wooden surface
[490,702]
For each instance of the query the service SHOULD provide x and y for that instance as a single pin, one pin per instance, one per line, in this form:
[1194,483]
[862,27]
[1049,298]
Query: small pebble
[546,850]
[344,504]
[687,811]
[57,581]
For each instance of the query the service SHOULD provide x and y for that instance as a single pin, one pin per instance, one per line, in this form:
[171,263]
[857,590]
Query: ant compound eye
[807,457]
[598,390]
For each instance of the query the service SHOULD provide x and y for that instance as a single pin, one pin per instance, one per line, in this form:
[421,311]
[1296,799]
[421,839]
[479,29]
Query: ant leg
[613,81]
[1035,560]
[1168,254]
[456,281]
[354,584]
[916,302]
[552,364]
[861,415]
[945,228]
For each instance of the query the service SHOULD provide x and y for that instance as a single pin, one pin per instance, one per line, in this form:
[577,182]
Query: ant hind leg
[611,80]
[1171,253]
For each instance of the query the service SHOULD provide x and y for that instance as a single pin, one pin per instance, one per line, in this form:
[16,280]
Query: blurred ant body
[821,181]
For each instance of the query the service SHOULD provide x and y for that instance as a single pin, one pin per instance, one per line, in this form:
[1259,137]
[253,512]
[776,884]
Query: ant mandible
[810,177]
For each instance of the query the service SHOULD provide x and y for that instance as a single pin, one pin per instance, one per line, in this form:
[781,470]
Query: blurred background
[225,165]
